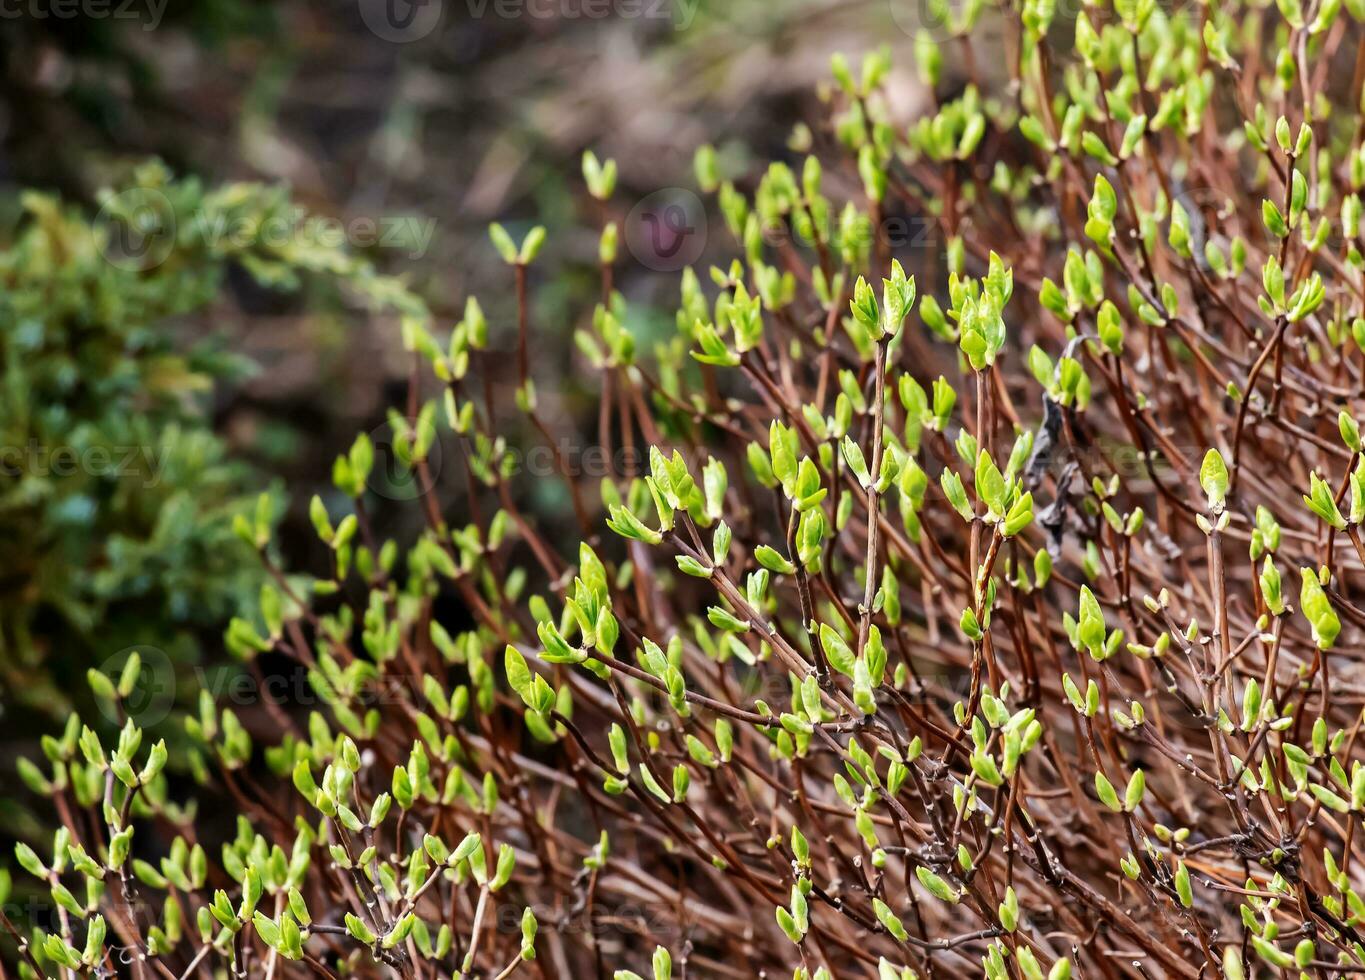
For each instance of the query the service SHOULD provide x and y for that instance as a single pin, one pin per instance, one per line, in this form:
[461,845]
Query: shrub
[939,627]
[117,504]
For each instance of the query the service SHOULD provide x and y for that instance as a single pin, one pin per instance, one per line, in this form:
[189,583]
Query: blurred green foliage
[116,497]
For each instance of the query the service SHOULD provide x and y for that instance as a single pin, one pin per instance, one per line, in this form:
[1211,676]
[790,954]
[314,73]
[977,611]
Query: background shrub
[118,497]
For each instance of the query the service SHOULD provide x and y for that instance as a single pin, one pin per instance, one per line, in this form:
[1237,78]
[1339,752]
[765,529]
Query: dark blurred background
[429,120]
